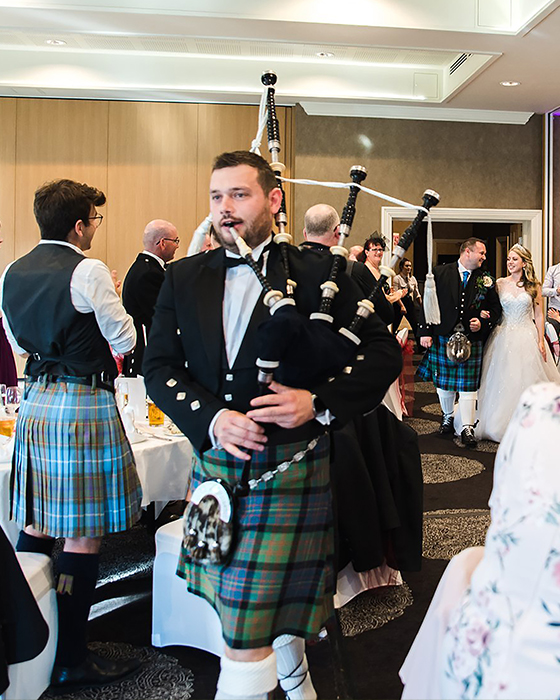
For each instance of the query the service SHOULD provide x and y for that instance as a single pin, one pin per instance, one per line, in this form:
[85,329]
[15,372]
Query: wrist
[318,406]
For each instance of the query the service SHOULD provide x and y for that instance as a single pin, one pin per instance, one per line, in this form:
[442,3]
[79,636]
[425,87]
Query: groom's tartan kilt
[437,368]
[281,578]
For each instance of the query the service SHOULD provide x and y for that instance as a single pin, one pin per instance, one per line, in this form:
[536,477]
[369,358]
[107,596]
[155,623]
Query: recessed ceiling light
[510,83]
[325,54]
[55,42]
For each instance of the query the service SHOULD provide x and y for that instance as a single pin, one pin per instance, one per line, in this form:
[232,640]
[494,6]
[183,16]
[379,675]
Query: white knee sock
[249,680]
[467,406]
[291,663]
[446,400]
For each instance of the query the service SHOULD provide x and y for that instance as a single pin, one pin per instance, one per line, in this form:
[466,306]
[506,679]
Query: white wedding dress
[511,363]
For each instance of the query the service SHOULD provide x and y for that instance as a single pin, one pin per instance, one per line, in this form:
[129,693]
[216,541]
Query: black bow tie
[234,262]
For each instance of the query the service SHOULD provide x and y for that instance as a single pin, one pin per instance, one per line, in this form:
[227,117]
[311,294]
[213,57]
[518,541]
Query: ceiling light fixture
[510,83]
[55,42]
[325,54]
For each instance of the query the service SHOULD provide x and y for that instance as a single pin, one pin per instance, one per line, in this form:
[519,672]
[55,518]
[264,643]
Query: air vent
[459,62]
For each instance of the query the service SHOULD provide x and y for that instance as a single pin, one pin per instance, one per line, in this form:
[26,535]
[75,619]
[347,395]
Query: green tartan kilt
[437,368]
[281,577]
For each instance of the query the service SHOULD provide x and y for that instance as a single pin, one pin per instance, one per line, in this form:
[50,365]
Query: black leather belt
[100,380]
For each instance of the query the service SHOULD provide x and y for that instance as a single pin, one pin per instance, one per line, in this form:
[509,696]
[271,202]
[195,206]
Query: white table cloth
[164,468]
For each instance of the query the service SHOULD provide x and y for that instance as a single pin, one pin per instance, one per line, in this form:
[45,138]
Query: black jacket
[184,361]
[458,304]
[365,281]
[140,292]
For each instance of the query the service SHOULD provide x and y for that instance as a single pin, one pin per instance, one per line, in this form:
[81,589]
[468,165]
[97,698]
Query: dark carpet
[379,626]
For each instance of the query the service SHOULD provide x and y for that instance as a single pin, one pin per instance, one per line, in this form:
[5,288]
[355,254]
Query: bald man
[143,282]
[321,231]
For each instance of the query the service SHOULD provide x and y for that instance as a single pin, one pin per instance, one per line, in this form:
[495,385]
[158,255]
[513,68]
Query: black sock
[39,545]
[77,576]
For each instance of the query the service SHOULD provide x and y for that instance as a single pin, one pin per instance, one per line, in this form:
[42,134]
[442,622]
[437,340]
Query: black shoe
[94,670]
[467,437]
[446,426]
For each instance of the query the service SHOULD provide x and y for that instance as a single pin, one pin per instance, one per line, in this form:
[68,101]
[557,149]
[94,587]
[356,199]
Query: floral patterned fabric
[502,635]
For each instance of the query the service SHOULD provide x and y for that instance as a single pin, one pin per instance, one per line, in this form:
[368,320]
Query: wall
[152,160]
[470,165]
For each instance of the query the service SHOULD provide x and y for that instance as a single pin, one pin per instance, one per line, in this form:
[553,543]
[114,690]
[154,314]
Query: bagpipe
[294,349]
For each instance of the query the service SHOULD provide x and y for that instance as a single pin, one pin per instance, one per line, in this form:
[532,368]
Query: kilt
[437,368]
[281,577]
[73,472]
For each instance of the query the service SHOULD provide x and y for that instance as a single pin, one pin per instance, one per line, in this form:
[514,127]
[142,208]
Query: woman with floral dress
[493,627]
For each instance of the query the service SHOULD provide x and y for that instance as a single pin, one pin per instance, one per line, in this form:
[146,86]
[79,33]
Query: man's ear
[305,233]
[275,199]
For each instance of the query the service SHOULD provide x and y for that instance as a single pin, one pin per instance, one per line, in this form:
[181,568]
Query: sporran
[458,347]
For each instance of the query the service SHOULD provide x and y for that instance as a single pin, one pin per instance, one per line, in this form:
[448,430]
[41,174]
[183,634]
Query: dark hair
[266,177]
[402,263]
[59,204]
[470,244]
[375,239]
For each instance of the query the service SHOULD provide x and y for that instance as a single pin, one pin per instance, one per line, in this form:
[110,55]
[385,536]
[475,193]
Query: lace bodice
[517,308]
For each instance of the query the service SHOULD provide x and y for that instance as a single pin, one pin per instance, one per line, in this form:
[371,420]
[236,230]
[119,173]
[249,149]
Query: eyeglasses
[172,240]
[98,217]
[375,250]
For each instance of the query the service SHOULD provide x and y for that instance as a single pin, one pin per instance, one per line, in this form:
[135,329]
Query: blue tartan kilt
[73,472]
[437,368]
[281,577]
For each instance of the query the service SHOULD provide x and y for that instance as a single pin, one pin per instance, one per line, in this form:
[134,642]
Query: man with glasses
[143,282]
[73,474]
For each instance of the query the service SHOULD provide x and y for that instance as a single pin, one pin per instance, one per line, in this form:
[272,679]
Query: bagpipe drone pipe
[295,349]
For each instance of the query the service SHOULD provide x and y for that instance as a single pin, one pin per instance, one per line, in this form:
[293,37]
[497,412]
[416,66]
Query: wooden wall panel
[58,139]
[232,128]
[151,174]
[7,180]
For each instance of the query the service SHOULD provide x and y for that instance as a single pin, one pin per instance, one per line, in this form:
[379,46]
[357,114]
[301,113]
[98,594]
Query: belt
[101,380]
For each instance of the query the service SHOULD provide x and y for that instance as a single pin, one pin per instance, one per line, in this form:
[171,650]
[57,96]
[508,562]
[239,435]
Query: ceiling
[439,59]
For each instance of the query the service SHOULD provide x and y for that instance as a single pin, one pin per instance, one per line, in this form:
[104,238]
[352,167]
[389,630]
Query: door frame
[531,221]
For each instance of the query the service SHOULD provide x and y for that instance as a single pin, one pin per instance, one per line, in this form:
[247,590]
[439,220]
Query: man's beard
[254,234]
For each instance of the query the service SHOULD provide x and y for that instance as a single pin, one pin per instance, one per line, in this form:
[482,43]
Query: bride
[516,355]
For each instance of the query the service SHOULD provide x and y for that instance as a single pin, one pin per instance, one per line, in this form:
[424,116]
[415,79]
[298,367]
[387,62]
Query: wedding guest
[374,248]
[74,474]
[551,286]
[516,348]
[8,372]
[491,630]
[142,284]
[413,299]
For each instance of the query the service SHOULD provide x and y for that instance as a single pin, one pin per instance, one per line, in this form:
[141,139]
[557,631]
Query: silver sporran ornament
[208,523]
[458,347]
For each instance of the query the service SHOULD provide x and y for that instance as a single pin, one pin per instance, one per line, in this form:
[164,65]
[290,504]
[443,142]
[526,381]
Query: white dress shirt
[91,290]
[550,285]
[160,261]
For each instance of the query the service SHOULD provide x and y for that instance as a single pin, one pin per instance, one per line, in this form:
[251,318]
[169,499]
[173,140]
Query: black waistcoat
[38,305]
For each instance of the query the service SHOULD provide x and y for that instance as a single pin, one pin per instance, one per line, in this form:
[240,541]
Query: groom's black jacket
[458,304]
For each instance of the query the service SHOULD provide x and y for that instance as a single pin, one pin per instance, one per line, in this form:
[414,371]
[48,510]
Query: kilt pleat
[437,368]
[74,473]
[281,577]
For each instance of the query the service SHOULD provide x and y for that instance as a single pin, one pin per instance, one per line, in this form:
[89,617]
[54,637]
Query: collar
[314,245]
[462,268]
[49,241]
[256,251]
[160,261]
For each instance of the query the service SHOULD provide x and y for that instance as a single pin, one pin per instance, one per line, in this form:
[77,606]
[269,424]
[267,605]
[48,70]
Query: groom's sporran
[458,347]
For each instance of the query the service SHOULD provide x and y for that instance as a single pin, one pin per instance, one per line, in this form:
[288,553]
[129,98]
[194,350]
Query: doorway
[500,228]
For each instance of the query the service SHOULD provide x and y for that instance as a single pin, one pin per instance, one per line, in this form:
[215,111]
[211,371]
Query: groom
[468,296]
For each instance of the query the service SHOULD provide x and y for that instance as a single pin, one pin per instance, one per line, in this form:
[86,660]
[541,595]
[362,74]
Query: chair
[179,617]
[30,679]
